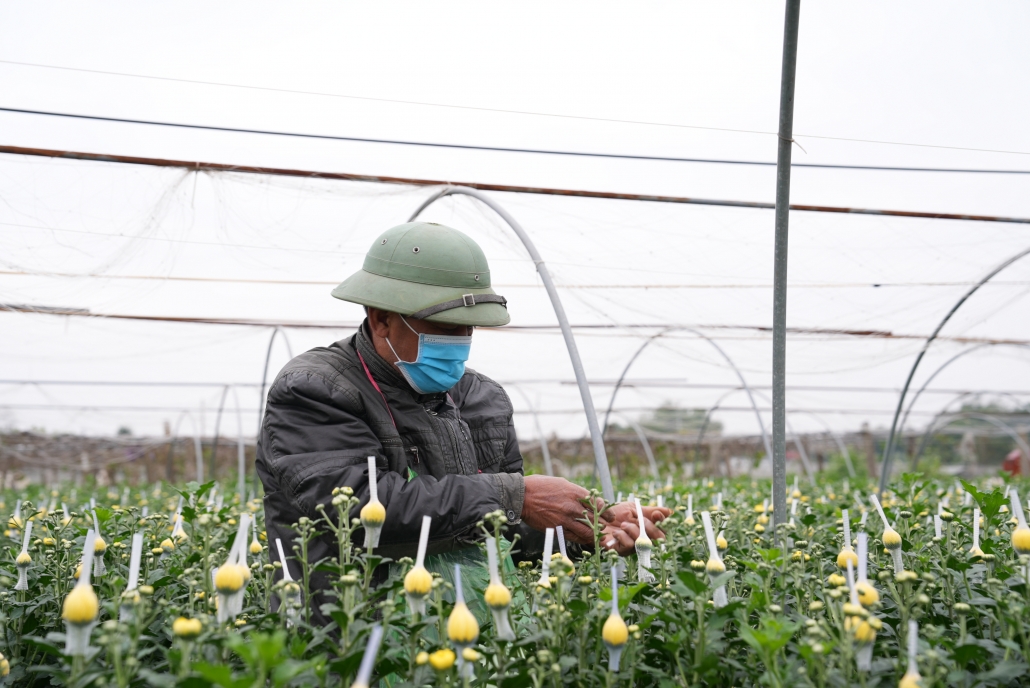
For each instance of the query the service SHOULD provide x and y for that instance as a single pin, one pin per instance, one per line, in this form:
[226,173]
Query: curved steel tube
[647,447]
[600,458]
[218,425]
[264,375]
[802,453]
[885,469]
[837,439]
[915,397]
[241,452]
[704,425]
[198,453]
[1004,427]
[740,376]
[932,426]
[618,383]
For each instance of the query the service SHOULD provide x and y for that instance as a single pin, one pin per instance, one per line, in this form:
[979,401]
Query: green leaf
[44,645]
[722,579]
[990,503]
[964,654]
[809,519]
[219,674]
[957,565]
[691,581]
[1006,671]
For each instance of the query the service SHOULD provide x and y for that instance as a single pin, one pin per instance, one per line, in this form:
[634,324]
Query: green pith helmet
[429,272]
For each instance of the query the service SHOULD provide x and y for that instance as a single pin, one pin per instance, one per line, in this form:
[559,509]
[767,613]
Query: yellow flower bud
[373,514]
[865,633]
[867,594]
[1021,540]
[99,547]
[23,559]
[229,579]
[442,660]
[187,628]
[615,632]
[462,627]
[255,547]
[497,596]
[910,680]
[847,554]
[81,606]
[715,566]
[891,538]
[418,581]
[422,658]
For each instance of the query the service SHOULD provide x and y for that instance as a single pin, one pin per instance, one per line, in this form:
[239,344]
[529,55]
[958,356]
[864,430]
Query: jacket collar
[382,370]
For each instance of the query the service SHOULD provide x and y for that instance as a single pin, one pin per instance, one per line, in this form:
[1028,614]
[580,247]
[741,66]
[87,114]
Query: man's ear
[379,322]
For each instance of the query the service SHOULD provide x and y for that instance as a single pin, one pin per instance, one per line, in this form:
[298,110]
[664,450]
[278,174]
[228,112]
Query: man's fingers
[653,531]
[631,530]
[578,532]
[656,514]
[617,539]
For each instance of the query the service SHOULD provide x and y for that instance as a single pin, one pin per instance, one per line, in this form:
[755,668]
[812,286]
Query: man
[398,390]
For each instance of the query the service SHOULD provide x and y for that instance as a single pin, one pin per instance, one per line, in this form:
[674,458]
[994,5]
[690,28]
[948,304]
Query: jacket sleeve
[315,439]
[530,546]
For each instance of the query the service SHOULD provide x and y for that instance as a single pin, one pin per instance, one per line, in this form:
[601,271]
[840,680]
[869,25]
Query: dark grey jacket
[324,418]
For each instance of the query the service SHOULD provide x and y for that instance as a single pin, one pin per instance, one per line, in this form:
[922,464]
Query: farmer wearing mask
[442,434]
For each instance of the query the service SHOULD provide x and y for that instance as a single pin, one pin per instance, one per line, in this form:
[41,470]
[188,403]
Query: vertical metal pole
[786,140]
[241,466]
[600,457]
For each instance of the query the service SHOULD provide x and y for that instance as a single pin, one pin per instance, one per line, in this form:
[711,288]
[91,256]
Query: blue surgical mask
[440,362]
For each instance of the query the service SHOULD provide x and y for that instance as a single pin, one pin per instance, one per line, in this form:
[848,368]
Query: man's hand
[551,502]
[622,530]
[626,513]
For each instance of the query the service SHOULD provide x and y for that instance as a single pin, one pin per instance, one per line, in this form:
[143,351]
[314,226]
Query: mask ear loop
[394,351]
[405,321]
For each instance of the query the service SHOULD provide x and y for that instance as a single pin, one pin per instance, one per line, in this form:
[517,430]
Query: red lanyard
[371,379]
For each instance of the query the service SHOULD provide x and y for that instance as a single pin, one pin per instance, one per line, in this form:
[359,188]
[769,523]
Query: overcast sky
[913,84]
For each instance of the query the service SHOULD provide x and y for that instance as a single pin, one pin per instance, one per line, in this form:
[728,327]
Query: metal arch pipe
[885,469]
[800,447]
[264,376]
[941,414]
[704,425]
[1024,448]
[915,397]
[600,457]
[651,462]
[618,383]
[837,439]
[198,453]
[218,425]
[544,449]
[722,352]
[241,450]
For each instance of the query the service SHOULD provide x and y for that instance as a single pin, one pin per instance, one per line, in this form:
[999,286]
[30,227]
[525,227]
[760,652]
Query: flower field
[923,586]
